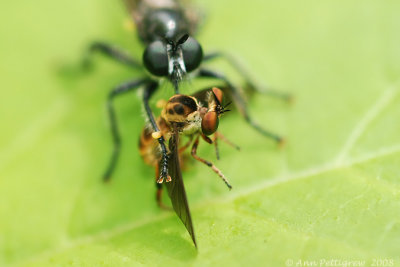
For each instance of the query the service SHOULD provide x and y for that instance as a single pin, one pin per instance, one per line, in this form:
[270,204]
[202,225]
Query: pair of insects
[167,29]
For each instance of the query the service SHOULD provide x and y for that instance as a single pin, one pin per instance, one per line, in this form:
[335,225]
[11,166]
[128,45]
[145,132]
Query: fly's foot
[162,177]
[164,171]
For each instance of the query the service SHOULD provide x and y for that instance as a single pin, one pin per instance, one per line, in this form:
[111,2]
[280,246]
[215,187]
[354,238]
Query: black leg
[148,92]
[240,103]
[249,82]
[123,88]
[112,52]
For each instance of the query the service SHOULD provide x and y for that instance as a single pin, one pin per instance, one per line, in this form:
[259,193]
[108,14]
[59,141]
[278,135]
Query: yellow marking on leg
[156,135]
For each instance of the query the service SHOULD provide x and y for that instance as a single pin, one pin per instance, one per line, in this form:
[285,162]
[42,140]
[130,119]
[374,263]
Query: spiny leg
[243,72]
[240,103]
[111,52]
[123,88]
[208,163]
[148,92]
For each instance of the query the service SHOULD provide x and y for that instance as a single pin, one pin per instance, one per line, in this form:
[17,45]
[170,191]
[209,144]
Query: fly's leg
[208,163]
[111,52]
[240,103]
[123,88]
[218,135]
[242,71]
[148,92]
[206,138]
[185,146]
[215,141]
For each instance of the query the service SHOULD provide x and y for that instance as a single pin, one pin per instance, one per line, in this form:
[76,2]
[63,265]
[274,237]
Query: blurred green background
[331,193]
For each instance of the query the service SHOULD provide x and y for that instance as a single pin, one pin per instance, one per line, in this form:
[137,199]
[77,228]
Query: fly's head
[183,111]
[173,58]
[210,121]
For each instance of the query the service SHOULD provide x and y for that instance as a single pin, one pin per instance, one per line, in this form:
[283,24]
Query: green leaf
[331,193]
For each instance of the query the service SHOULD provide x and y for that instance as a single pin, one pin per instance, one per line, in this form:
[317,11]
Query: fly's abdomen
[148,146]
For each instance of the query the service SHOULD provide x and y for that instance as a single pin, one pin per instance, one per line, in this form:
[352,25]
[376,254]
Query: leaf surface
[332,192]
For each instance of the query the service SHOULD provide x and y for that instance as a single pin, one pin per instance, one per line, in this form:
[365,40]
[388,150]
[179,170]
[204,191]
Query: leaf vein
[370,115]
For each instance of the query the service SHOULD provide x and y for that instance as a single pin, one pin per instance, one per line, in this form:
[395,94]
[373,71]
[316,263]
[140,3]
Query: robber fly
[183,115]
[167,29]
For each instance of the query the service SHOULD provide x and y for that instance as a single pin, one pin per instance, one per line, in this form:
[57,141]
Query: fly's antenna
[175,45]
[223,108]
[220,109]
[171,43]
[182,39]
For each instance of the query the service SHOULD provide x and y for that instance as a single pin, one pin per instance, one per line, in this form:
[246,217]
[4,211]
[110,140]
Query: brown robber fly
[183,115]
[167,29]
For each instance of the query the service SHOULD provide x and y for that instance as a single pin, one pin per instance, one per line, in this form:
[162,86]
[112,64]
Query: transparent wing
[176,189]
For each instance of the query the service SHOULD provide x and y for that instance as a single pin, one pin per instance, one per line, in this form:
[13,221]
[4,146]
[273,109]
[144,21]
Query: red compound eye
[210,123]
[218,94]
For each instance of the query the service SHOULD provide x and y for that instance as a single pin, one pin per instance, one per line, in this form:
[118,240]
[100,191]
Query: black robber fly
[167,29]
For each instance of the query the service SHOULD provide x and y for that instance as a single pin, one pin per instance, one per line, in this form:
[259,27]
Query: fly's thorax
[179,107]
[193,124]
[184,112]
[158,3]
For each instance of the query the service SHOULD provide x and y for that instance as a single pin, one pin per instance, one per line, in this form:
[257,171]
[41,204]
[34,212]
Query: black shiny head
[173,58]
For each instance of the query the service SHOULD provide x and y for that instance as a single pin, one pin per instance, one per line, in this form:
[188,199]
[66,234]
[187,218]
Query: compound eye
[219,95]
[209,124]
[155,58]
[192,53]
